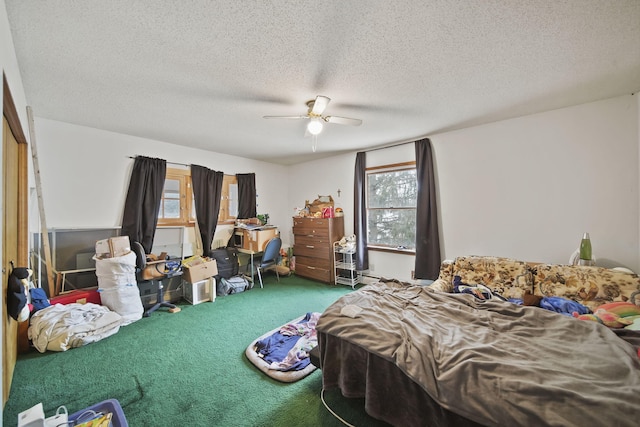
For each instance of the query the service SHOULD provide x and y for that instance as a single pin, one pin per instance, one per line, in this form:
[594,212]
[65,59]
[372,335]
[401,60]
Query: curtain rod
[393,145]
[173,163]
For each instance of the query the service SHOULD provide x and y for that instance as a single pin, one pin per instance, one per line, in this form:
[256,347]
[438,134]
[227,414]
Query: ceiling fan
[316,120]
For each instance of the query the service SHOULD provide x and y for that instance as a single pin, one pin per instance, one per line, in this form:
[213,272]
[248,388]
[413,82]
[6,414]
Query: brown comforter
[494,362]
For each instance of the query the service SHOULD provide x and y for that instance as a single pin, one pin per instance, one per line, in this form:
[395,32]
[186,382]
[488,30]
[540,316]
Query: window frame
[394,167]
[187,207]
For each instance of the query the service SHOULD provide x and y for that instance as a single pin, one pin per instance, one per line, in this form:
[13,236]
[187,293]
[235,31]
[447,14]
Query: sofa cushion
[507,277]
[590,286]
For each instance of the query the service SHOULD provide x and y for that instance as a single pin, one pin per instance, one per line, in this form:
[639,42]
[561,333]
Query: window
[177,206]
[177,199]
[391,207]
[229,202]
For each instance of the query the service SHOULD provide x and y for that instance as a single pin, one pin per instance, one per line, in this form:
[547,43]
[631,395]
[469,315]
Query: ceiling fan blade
[285,117]
[343,120]
[319,105]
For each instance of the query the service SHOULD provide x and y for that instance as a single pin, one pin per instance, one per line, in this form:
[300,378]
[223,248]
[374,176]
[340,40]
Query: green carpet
[189,368]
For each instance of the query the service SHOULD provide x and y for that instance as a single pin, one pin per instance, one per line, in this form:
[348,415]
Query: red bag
[327,212]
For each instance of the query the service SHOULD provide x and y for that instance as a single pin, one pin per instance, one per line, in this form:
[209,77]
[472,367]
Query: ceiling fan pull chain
[314,142]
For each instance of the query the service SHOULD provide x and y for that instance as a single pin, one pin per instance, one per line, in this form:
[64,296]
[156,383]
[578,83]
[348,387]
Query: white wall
[530,187]
[526,188]
[85,174]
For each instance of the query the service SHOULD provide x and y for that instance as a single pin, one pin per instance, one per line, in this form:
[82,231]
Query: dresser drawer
[311,222]
[310,231]
[322,263]
[313,241]
[311,251]
[312,272]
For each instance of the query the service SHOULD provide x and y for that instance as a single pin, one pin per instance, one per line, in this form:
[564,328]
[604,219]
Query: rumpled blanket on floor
[288,348]
[60,327]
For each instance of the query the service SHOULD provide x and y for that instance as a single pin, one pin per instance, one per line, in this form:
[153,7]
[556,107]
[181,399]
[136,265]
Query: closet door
[14,227]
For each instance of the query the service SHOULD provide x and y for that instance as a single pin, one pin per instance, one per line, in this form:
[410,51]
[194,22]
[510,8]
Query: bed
[430,358]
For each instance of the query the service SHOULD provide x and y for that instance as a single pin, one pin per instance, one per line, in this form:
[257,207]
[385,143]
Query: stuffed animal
[17,289]
[348,243]
[605,317]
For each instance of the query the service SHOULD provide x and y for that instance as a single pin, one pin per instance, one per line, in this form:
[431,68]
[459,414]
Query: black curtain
[360,212]
[142,204]
[247,195]
[207,190]
[427,237]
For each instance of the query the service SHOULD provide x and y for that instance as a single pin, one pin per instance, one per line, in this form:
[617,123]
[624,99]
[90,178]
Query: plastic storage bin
[111,405]
[204,290]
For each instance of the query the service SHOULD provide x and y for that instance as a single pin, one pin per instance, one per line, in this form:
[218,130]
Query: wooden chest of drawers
[313,246]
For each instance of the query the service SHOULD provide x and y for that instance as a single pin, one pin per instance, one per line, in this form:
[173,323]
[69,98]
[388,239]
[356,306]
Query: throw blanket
[61,327]
[494,362]
[288,349]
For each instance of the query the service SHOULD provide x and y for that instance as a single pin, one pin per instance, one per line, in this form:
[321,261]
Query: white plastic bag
[118,286]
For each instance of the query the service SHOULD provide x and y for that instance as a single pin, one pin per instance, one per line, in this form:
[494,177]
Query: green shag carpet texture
[189,368]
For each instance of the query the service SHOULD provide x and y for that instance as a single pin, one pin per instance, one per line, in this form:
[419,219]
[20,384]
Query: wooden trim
[23,205]
[392,250]
[391,166]
[9,111]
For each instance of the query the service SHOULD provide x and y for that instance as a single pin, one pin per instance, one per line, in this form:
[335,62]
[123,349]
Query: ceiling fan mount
[310,104]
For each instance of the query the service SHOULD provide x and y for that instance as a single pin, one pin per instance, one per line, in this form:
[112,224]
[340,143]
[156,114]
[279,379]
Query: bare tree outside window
[391,208]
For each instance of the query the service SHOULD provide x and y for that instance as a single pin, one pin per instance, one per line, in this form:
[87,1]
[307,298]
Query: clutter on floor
[283,353]
[118,286]
[61,327]
[107,413]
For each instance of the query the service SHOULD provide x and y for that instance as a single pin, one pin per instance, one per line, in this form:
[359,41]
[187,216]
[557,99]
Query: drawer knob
[310,246]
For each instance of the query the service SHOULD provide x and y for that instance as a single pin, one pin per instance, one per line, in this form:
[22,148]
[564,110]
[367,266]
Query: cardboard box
[256,240]
[200,272]
[113,247]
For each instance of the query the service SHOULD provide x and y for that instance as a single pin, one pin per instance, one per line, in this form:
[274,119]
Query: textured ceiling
[203,73]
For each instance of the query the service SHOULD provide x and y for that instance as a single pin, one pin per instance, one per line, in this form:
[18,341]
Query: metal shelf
[344,264]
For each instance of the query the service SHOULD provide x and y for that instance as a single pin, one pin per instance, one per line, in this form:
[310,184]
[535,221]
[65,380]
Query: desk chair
[269,258]
[141,264]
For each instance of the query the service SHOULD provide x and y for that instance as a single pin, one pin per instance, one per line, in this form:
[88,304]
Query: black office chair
[141,264]
[270,257]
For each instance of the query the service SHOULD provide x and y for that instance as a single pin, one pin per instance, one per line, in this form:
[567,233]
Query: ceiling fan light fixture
[314,127]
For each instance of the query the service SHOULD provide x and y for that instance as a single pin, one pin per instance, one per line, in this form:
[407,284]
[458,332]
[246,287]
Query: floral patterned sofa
[511,278]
